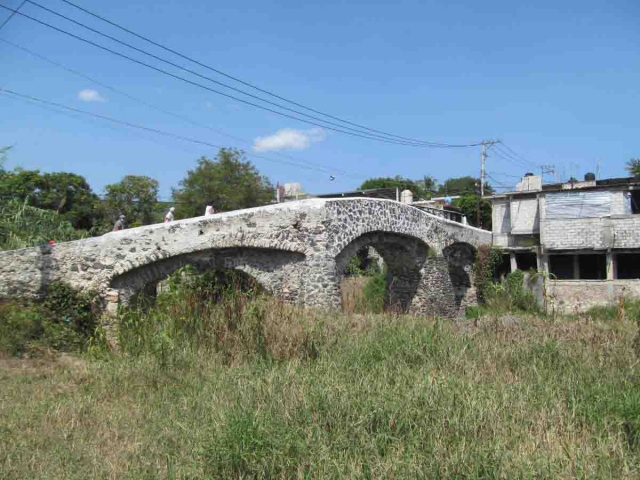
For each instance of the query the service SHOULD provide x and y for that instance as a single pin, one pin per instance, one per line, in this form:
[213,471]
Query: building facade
[584,235]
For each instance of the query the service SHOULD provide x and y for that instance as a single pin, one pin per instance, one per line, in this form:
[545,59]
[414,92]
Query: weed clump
[64,321]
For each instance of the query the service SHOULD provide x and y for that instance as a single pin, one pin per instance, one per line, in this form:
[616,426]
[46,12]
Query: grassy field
[312,395]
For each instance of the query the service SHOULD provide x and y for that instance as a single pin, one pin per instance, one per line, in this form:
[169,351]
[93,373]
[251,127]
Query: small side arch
[461,257]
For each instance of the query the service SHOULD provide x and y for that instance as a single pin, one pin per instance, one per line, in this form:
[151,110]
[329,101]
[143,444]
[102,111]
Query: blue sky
[556,81]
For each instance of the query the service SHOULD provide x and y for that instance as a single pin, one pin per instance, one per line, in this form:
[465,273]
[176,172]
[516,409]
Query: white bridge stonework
[297,251]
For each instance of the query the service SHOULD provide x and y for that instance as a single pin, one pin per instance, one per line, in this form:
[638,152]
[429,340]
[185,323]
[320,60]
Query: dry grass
[385,397]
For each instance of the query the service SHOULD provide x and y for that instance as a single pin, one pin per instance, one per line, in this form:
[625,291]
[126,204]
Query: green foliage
[135,197]
[633,167]
[468,205]
[67,194]
[511,296]
[417,187]
[23,226]
[488,259]
[64,321]
[374,292]
[3,158]
[229,181]
[221,312]
[463,186]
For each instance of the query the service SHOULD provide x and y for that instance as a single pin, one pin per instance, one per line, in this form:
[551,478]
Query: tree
[468,204]
[135,197]
[229,181]
[67,194]
[417,187]
[3,157]
[463,186]
[633,167]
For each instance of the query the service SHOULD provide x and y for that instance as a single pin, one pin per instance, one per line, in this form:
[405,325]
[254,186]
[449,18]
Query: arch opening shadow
[403,257]
[461,258]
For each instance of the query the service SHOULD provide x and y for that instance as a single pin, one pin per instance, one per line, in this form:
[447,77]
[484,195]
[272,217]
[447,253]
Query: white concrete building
[585,235]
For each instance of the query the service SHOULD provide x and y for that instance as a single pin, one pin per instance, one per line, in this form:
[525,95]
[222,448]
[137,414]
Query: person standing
[119,225]
[169,216]
[209,210]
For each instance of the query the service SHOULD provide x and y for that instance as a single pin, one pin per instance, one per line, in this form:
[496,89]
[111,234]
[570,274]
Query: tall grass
[22,226]
[233,384]
[408,398]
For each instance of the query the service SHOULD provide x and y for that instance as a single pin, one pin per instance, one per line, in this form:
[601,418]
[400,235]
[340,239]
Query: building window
[578,267]
[628,265]
[561,267]
[526,261]
[592,267]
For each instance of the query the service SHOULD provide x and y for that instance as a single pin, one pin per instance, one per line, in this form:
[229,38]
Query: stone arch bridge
[298,251]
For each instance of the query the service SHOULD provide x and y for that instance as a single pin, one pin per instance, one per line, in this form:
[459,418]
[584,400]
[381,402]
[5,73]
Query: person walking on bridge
[169,216]
[119,225]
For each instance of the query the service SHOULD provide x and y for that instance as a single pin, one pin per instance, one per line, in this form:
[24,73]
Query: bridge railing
[452,215]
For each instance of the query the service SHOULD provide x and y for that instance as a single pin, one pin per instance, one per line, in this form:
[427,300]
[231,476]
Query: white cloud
[289,139]
[88,95]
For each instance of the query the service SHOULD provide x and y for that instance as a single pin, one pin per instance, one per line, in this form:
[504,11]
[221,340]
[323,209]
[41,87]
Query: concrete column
[514,262]
[611,266]
[542,261]
[576,267]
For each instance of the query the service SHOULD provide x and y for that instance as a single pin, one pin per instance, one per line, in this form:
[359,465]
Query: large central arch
[404,257]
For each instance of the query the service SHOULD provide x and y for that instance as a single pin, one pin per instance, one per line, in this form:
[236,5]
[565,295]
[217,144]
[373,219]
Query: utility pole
[483,163]
[478,214]
[483,175]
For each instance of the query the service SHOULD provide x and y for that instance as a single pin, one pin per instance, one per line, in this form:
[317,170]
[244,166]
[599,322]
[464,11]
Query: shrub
[65,320]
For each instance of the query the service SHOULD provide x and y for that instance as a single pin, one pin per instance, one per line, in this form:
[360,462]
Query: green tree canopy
[229,182]
[68,194]
[463,186]
[633,167]
[468,204]
[421,188]
[135,197]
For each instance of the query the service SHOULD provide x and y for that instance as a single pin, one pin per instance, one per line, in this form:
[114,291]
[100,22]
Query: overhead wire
[505,150]
[162,110]
[8,19]
[326,124]
[248,84]
[40,101]
[500,154]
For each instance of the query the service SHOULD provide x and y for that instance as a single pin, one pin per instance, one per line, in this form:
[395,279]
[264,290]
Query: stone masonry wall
[309,235]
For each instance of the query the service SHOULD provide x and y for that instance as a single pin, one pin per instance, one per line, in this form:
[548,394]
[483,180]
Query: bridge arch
[275,271]
[404,257]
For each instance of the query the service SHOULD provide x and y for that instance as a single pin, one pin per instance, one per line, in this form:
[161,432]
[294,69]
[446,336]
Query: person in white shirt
[209,210]
[169,216]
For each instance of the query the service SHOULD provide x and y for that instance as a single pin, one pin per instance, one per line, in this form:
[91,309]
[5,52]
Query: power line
[198,84]
[505,175]
[248,84]
[149,129]
[144,52]
[12,14]
[159,109]
[504,156]
[341,129]
[513,154]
